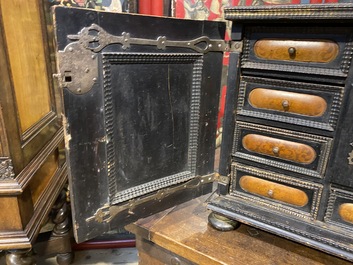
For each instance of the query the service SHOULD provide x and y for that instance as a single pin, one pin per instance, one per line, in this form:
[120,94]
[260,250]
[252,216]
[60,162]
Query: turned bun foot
[19,257]
[65,258]
[222,223]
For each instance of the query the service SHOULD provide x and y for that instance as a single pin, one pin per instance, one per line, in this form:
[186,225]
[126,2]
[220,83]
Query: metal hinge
[95,38]
[222,179]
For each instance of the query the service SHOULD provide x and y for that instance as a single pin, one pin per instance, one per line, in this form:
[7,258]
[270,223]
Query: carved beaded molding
[295,67]
[6,168]
[324,142]
[334,194]
[140,58]
[330,125]
[290,12]
[283,207]
[280,225]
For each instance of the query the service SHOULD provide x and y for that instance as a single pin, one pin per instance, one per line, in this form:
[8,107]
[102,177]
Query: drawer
[340,208]
[307,50]
[303,104]
[292,151]
[275,191]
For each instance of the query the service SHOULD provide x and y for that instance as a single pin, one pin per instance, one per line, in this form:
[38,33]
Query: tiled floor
[126,256]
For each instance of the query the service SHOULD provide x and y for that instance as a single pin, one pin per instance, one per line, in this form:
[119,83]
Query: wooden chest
[141,99]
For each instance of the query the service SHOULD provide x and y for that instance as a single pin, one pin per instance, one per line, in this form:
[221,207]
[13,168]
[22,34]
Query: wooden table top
[184,230]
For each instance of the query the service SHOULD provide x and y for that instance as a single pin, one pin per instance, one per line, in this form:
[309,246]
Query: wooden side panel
[10,219]
[4,149]
[24,39]
[43,176]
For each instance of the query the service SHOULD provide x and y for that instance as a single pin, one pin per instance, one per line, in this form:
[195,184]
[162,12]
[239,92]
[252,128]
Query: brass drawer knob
[270,193]
[285,104]
[292,51]
[275,150]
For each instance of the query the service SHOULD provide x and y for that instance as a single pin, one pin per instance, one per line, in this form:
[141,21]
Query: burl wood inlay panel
[273,190]
[316,51]
[346,212]
[297,103]
[283,149]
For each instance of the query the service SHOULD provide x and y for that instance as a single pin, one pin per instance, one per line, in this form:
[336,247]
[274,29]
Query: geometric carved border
[6,169]
[334,194]
[297,12]
[322,157]
[156,58]
[251,61]
[299,87]
[316,190]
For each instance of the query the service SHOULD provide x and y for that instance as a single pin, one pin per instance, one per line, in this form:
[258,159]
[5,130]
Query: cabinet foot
[65,258]
[222,223]
[19,257]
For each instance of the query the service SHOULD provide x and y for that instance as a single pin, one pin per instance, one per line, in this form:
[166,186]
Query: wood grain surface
[345,211]
[273,190]
[184,230]
[283,149]
[316,51]
[297,103]
[26,51]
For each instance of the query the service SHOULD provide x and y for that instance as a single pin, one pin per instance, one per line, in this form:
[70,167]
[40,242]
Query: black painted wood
[147,122]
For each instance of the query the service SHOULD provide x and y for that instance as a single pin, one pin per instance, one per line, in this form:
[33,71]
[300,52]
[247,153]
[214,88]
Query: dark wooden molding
[36,129]
[25,176]
[23,239]
[290,12]
[45,203]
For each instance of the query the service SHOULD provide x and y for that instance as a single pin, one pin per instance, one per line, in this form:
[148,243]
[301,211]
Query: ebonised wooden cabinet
[32,160]
[141,100]
[288,155]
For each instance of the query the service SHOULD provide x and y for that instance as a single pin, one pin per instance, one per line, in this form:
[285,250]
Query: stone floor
[126,256]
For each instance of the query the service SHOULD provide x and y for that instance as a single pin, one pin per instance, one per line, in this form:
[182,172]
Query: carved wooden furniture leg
[62,228]
[19,257]
[222,223]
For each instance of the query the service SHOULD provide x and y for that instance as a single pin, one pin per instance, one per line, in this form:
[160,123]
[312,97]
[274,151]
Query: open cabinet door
[140,100]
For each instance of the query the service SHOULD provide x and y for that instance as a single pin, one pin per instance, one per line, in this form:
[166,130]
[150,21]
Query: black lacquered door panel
[141,100]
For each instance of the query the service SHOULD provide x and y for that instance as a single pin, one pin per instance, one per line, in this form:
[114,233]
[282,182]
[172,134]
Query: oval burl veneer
[273,190]
[283,149]
[315,51]
[345,211]
[297,103]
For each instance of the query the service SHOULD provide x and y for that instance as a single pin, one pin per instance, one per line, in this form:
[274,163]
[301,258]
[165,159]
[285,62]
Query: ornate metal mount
[6,168]
[95,38]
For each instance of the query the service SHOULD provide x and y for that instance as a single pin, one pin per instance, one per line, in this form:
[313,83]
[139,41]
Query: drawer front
[291,102]
[303,104]
[340,208]
[293,151]
[275,191]
[305,50]
[282,149]
[308,50]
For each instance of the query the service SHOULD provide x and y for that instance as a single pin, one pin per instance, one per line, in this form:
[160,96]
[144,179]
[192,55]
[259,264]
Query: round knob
[275,150]
[285,104]
[270,193]
[292,51]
